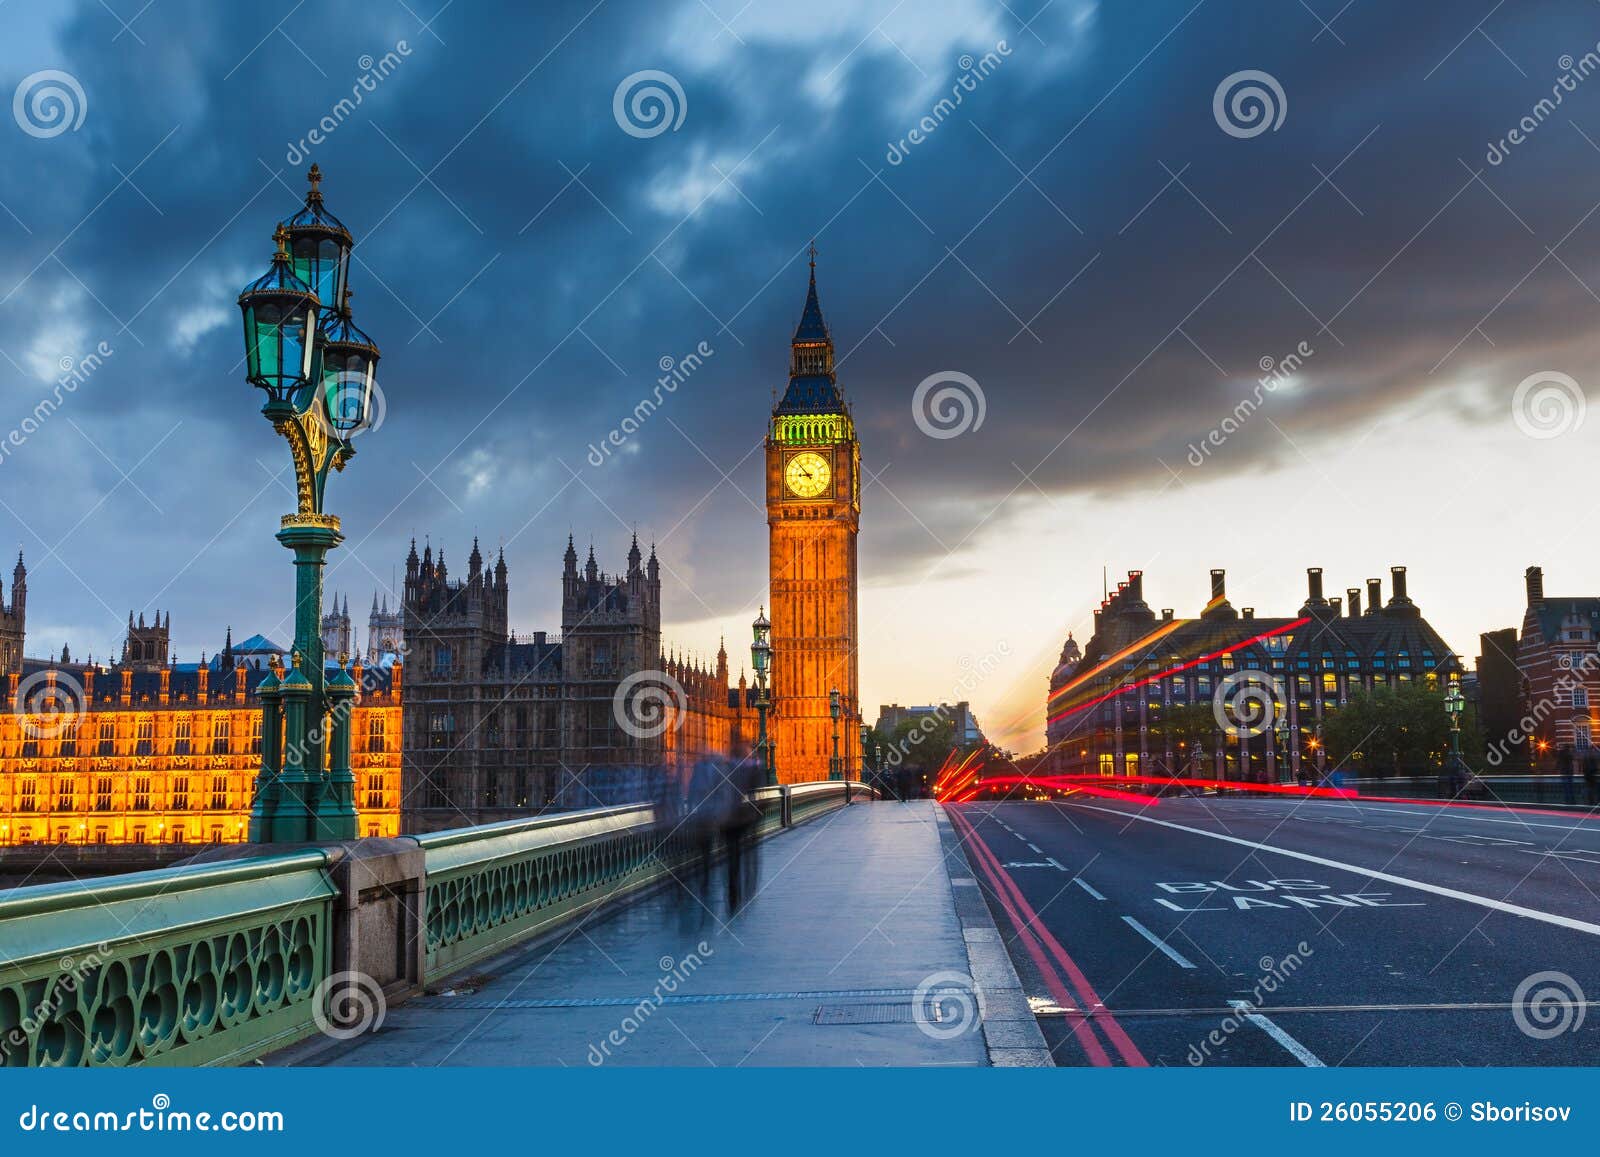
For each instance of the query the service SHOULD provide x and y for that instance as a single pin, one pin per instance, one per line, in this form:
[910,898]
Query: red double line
[1067,983]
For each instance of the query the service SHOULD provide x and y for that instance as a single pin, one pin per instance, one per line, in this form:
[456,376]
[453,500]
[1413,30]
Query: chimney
[1374,596]
[1136,586]
[1333,605]
[1248,612]
[1534,577]
[1397,580]
[1314,584]
[1219,585]
[1353,598]
[1166,614]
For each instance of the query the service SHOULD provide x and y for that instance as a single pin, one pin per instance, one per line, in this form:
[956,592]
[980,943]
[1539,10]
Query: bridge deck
[854,911]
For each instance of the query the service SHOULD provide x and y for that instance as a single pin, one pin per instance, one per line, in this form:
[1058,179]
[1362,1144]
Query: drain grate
[898,1012]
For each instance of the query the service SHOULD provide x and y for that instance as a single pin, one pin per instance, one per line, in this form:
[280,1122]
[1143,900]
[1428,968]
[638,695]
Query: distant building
[1560,673]
[1500,697]
[152,751]
[964,723]
[1115,708]
[499,726]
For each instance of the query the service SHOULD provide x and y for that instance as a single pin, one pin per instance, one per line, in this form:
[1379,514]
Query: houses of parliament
[460,719]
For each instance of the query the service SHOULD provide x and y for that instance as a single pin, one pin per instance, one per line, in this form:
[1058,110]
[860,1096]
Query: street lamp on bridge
[761,658]
[303,350]
[1454,704]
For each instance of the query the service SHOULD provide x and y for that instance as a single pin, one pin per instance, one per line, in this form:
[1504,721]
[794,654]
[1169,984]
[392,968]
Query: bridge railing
[203,964]
[218,963]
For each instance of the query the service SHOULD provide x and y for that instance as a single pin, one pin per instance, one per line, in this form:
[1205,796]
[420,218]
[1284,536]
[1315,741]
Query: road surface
[1215,931]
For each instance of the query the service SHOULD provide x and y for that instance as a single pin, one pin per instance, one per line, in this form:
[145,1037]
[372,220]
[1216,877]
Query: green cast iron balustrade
[206,964]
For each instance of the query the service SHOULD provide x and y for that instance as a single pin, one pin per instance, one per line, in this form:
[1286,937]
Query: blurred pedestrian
[1591,777]
[1564,765]
[698,824]
[741,817]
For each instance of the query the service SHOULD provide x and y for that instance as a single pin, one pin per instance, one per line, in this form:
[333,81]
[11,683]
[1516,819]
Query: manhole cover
[897,1013]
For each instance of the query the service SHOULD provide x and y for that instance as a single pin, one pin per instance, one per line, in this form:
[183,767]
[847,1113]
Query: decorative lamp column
[318,372]
[293,808]
[866,752]
[339,796]
[271,729]
[1454,704]
[761,658]
[835,768]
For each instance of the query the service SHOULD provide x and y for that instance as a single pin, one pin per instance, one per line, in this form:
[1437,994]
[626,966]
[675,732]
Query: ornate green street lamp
[761,657]
[318,372]
[1454,704]
[866,753]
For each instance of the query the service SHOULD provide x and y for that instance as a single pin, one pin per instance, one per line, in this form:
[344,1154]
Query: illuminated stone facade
[148,751]
[813,484]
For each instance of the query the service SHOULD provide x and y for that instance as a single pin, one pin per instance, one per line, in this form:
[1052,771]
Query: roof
[811,394]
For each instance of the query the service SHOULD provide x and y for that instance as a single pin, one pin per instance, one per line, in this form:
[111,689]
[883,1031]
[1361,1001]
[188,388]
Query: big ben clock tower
[813,515]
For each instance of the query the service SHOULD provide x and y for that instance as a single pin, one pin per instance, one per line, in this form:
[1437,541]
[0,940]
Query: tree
[1394,731]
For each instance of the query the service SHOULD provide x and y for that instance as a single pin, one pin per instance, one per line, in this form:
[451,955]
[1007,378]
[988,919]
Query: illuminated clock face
[807,475]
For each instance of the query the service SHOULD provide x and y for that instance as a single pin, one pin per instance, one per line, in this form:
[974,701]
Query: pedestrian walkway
[855,911]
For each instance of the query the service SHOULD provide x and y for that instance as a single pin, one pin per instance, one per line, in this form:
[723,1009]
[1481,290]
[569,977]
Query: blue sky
[1080,236]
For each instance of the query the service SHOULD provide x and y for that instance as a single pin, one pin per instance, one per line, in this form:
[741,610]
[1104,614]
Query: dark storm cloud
[526,265]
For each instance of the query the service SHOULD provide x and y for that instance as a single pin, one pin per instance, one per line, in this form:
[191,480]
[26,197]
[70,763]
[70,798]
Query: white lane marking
[1299,1051]
[1387,877]
[1589,829]
[1581,855]
[1053,861]
[1176,957]
[1084,884]
[1032,847]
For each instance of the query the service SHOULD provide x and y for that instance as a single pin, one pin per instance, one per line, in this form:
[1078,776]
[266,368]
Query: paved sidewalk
[855,910]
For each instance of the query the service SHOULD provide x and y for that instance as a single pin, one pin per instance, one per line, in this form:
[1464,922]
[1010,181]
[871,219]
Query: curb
[1010,1032]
